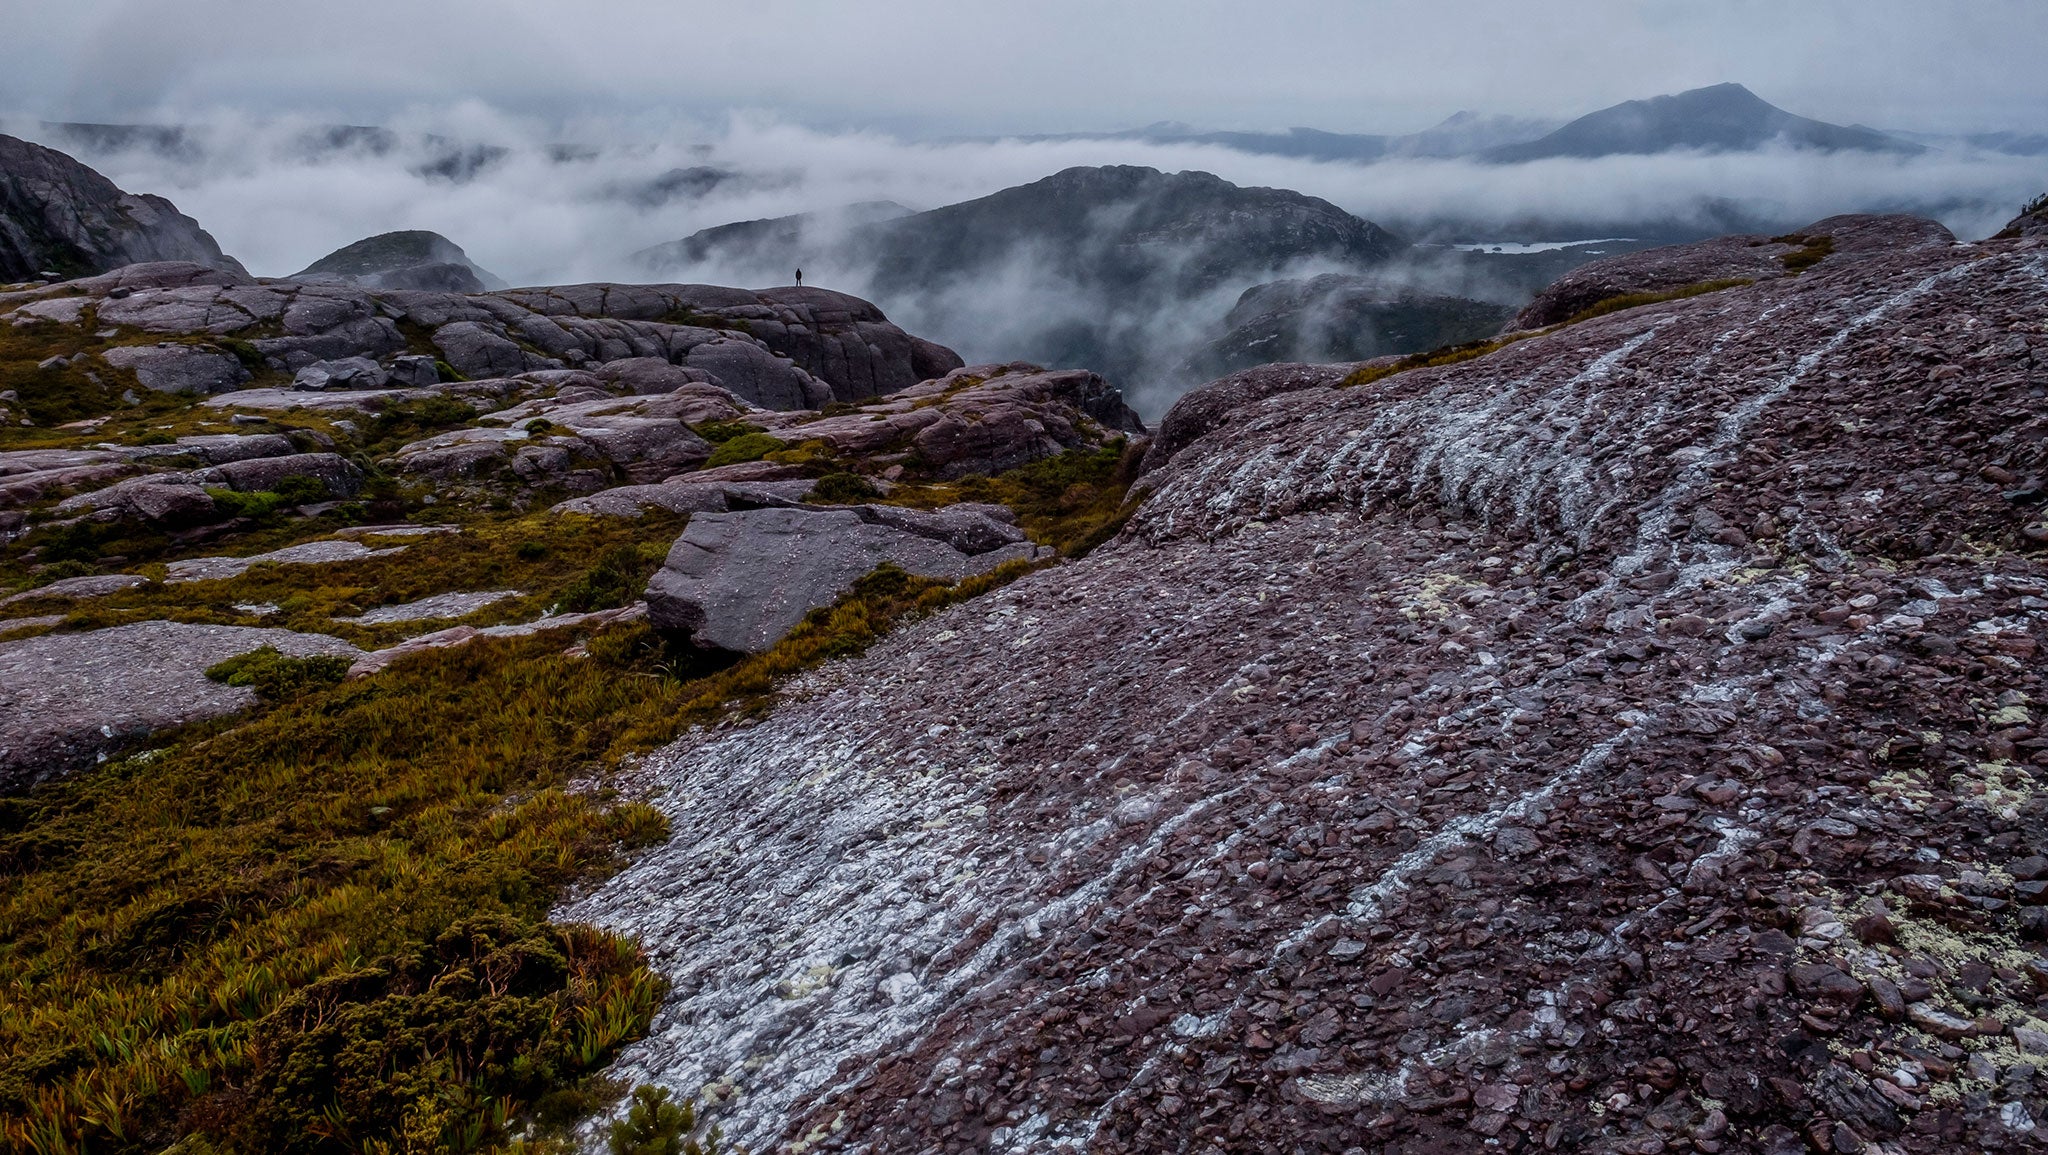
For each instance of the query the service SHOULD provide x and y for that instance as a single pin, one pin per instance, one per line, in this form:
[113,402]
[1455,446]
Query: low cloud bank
[554,203]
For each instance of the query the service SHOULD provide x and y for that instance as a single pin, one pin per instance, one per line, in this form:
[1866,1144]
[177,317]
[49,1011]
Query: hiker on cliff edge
[799,277]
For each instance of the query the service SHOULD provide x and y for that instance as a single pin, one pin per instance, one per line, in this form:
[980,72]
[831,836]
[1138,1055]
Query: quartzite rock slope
[1624,742]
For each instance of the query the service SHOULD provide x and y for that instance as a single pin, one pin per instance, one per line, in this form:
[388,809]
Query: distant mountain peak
[1718,118]
[406,259]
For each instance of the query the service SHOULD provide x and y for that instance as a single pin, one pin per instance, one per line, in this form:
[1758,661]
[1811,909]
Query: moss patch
[741,448]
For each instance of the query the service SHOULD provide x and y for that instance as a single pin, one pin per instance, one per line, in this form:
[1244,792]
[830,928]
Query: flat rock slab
[739,581]
[377,660]
[201,569]
[452,605]
[97,585]
[23,625]
[65,699]
[686,495]
[361,531]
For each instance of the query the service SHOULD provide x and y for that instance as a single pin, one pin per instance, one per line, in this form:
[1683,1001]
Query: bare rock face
[1469,755]
[67,698]
[1204,410]
[839,339]
[57,215]
[740,581]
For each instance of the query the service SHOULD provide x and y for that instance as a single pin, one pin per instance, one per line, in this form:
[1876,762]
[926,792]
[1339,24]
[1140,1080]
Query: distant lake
[1521,248]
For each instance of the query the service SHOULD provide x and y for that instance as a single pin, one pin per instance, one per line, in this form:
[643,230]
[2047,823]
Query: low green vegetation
[1638,300]
[843,488]
[323,928]
[1471,350]
[1811,251]
[1449,355]
[1072,502]
[742,448]
[719,432]
[278,677]
[656,1125]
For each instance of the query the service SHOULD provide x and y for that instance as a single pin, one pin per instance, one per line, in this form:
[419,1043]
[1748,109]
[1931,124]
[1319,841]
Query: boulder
[650,375]
[739,581]
[171,498]
[345,373]
[978,419]
[66,699]
[179,368]
[216,448]
[414,369]
[337,473]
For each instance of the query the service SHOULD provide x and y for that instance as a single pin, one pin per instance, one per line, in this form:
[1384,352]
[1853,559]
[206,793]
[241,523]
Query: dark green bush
[300,489]
[843,489]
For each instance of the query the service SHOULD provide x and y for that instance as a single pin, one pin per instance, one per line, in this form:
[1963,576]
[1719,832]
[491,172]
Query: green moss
[278,677]
[1811,251]
[742,448]
[550,557]
[1637,300]
[1448,355]
[719,432]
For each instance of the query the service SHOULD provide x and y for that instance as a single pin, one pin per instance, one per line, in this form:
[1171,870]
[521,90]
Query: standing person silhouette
[799,276]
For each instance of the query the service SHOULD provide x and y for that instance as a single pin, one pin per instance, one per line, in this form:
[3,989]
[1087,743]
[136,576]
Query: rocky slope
[58,216]
[1625,741]
[178,426]
[413,259]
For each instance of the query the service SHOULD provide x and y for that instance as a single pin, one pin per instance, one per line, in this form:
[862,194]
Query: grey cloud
[945,66]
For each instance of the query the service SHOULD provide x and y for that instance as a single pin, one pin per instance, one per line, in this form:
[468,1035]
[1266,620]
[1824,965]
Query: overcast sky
[921,67]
